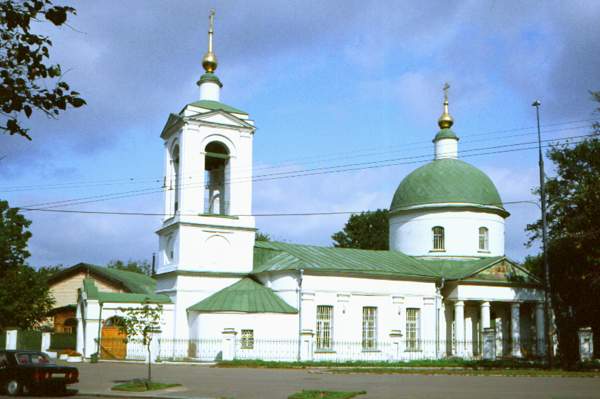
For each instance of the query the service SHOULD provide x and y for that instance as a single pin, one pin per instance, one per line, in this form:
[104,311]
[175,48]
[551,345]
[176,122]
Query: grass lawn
[468,371]
[325,395]
[142,386]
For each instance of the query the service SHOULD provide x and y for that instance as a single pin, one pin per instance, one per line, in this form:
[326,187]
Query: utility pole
[547,308]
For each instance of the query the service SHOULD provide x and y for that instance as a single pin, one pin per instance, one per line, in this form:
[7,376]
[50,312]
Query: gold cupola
[445,121]
[209,61]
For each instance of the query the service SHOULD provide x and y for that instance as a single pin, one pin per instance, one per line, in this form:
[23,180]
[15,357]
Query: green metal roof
[246,296]
[92,292]
[447,181]
[209,77]
[445,134]
[217,106]
[130,281]
[277,256]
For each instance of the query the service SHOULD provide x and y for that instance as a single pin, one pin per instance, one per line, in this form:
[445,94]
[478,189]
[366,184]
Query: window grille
[247,339]
[369,328]
[483,239]
[324,327]
[438,238]
[413,329]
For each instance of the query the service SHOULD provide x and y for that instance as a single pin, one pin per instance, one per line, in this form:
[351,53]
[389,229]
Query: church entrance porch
[517,328]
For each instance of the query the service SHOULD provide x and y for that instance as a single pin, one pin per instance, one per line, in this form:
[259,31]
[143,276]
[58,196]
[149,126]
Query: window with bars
[483,239]
[438,238]
[369,328]
[413,329]
[247,339]
[324,327]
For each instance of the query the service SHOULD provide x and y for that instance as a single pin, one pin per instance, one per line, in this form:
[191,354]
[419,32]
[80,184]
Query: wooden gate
[113,343]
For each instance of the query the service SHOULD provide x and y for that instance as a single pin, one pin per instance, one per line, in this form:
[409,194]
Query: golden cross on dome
[446,87]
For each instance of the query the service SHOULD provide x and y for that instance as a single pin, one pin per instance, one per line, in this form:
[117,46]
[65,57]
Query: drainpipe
[438,295]
[300,277]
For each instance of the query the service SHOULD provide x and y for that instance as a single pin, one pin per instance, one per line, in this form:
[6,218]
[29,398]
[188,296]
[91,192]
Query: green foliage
[142,322]
[136,266]
[29,340]
[24,296]
[368,230]
[573,198]
[260,236]
[61,341]
[325,395]
[142,386]
[25,73]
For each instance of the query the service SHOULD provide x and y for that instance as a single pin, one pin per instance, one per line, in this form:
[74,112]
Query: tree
[573,198]
[367,230]
[260,236]
[24,295]
[136,266]
[143,323]
[25,73]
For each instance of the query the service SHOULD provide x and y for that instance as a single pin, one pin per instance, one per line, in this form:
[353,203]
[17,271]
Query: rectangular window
[483,239]
[369,328]
[413,329]
[324,327]
[247,339]
[438,238]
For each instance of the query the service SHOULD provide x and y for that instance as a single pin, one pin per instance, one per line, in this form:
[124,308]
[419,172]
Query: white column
[540,329]
[515,331]
[80,338]
[459,327]
[485,315]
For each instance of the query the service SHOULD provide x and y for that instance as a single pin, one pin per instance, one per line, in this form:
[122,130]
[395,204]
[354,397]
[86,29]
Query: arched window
[215,167]
[483,239]
[170,249]
[175,178]
[438,238]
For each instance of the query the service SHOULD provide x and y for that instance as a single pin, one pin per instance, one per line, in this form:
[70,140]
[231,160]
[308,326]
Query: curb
[136,395]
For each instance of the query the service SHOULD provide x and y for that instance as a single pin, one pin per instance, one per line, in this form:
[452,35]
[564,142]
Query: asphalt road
[207,382]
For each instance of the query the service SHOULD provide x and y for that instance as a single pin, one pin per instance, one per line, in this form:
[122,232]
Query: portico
[514,313]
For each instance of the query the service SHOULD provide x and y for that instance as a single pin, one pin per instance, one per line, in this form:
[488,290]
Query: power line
[133,193]
[341,155]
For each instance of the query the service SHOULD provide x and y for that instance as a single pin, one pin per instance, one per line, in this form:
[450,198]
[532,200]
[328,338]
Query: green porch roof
[92,292]
[246,296]
[217,106]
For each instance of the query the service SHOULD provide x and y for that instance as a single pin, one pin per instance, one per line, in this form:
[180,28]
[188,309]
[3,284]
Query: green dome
[445,134]
[446,181]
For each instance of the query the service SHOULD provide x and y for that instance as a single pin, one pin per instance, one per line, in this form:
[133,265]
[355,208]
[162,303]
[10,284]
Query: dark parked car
[33,371]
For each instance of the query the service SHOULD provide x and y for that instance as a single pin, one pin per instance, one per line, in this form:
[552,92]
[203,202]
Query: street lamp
[549,348]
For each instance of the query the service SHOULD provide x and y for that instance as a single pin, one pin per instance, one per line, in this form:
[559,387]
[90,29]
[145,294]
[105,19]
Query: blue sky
[327,83]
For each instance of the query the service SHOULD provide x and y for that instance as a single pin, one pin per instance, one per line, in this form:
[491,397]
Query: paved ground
[207,382]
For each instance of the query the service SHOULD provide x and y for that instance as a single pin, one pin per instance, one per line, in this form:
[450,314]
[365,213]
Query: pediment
[504,271]
[219,118]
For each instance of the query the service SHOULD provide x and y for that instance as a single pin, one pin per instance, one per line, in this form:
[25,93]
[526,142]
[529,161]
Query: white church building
[444,281]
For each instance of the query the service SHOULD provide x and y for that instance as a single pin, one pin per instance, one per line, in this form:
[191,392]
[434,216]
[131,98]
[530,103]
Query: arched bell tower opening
[175,180]
[216,172]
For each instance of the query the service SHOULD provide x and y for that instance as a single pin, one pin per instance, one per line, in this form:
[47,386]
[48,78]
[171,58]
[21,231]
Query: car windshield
[32,358]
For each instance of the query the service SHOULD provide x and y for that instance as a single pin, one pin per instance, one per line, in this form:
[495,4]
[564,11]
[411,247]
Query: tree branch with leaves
[25,70]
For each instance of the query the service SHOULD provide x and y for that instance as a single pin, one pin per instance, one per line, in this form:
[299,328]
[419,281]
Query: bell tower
[207,226]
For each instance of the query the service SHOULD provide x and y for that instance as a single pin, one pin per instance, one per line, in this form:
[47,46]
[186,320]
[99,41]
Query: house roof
[92,292]
[246,296]
[129,281]
[216,105]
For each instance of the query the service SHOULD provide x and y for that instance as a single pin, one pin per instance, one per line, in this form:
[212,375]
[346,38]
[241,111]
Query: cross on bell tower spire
[445,121]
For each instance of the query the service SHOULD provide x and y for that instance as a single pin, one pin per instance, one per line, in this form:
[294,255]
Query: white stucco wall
[412,233]
[446,148]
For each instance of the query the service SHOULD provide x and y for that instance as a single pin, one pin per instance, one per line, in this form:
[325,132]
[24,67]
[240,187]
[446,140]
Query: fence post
[228,344]
[586,343]
[46,339]
[395,350]
[489,343]
[306,345]
[11,339]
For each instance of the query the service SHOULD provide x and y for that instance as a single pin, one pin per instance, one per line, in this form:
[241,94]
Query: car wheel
[14,388]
